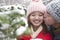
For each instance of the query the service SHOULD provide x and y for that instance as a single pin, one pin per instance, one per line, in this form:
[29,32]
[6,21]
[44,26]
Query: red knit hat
[36,6]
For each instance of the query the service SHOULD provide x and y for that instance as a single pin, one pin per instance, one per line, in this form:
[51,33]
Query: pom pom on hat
[37,0]
[54,9]
[36,6]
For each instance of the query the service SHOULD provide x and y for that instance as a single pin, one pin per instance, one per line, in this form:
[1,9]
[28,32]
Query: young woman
[36,25]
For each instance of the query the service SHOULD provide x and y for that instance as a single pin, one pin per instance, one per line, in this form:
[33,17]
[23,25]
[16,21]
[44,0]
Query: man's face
[49,20]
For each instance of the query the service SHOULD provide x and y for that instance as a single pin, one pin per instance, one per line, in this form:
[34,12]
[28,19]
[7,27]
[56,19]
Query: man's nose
[44,15]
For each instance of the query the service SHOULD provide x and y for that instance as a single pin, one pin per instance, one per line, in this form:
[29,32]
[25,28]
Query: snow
[20,30]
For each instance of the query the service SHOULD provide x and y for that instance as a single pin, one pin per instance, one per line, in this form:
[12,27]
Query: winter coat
[41,35]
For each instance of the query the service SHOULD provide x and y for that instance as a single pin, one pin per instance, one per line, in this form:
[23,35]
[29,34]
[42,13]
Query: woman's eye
[40,15]
[33,15]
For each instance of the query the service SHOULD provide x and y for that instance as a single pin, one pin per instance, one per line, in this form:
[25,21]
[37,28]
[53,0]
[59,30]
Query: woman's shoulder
[48,36]
[45,36]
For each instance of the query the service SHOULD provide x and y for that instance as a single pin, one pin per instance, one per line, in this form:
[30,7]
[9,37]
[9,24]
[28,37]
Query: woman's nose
[36,17]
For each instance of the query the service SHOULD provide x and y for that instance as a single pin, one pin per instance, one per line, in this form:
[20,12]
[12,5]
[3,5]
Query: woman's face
[36,18]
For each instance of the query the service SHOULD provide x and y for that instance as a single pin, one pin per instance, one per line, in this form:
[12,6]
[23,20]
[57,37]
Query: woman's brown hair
[45,30]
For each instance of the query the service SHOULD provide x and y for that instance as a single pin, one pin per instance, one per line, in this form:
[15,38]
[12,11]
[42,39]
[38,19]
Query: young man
[52,17]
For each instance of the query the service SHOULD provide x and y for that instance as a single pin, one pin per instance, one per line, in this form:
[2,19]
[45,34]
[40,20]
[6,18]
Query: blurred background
[23,2]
